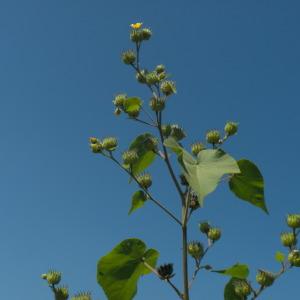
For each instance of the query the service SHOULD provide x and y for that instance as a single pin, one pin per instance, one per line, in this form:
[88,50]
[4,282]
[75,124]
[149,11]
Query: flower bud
[195,249]
[137,25]
[146,34]
[288,239]
[231,128]
[96,148]
[265,278]
[128,57]
[183,180]
[165,271]
[82,296]
[168,87]
[196,148]
[117,111]
[119,100]
[136,36]
[204,227]
[214,234]
[134,113]
[166,130]
[152,78]
[177,132]
[94,140]
[44,276]
[294,258]
[61,293]
[160,69]
[194,203]
[241,288]
[141,76]
[110,143]
[157,104]
[144,180]
[151,143]
[213,137]
[53,277]
[293,221]
[130,157]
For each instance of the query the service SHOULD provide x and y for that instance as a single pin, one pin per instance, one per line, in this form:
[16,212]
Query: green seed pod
[160,69]
[265,278]
[168,87]
[183,180]
[294,258]
[152,78]
[128,57]
[136,36]
[145,180]
[194,202]
[213,137]
[165,271]
[82,296]
[141,76]
[231,128]
[146,34]
[204,227]
[151,143]
[96,148]
[110,143]
[162,76]
[195,249]
[214,234]
[134,113]
[166,130]
[157,104]
[61,293]
[119,100]
[177,132]
[241,288]
[293,221]
[197,147]
[130,157]
[117,111]
[53,277]
[288,239]
[94,140]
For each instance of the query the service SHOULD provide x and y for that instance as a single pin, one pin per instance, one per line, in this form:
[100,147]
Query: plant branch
[143,122]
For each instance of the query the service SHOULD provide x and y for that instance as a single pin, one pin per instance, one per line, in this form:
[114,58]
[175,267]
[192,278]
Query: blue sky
[63,207]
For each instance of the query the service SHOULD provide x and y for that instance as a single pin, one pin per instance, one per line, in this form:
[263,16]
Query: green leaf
[249,184]
[146,156]
[138,200]
[132,104]
[204,175]
[279,256]
[238,271]
[119,271]
[229,293]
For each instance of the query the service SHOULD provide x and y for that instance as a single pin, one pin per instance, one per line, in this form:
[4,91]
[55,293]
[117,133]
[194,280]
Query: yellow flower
[136,25]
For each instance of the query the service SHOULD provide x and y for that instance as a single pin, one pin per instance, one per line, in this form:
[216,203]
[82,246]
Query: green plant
[201,171]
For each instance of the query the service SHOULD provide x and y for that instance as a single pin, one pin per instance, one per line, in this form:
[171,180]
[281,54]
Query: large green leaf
[204,175]
[146,156]
[249,184]
[119,271]
[132,104]
[238,271]
[229,293]
[138,201]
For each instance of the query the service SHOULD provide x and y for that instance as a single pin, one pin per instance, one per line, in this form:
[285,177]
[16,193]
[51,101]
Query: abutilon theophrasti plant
[202,169]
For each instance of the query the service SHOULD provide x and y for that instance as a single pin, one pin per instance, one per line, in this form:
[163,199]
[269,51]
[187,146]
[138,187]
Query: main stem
[185,263]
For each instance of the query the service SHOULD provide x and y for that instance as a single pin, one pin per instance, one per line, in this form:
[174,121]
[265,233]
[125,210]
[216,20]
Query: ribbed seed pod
[61,293]
[130,157]
[241,288]
[294,258]
[110,143]
[213,137]
[157,104]
[128,57]
[197,147]
[214,234]
[195,249]
[288,239]
[53,277]
[168,87]
[265,278]
[177,132]
[119,100]
[231,128]
[204,227]
[293,221]
[145,180]
[165,271]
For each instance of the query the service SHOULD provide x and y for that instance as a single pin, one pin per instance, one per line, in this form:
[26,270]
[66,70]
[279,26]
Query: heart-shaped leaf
[138,200]
[118,272]
[132,104]
[238,271]
[249,184]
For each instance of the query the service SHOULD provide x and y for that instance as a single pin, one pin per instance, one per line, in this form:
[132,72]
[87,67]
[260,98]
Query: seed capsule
[160,69]
[119,100]
[130,157]
[141,76]
[265,278]
[110,143]
[241,288]
[293,221]
[288,239]
[197,147]
[165,271]
[177,132]
[128,57]
[195,249]
[146,34]
[136,36]
[294,258]
[231,128]
[152,78]
[96,148]
[61,293]
[204,227]
[166,130]
[214,234]
[53,277]
[145,180]
[213,137]
[157,104]
[168,87]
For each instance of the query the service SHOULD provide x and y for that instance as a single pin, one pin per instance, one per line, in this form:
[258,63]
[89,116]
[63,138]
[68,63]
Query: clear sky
[63,207]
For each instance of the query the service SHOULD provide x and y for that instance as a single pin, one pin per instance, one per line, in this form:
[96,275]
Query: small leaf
[138,201]
[118,272]
[279,256]
[238,271]
[249,184]
[146,156]
[204,176]
[132,104]
[229,293]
